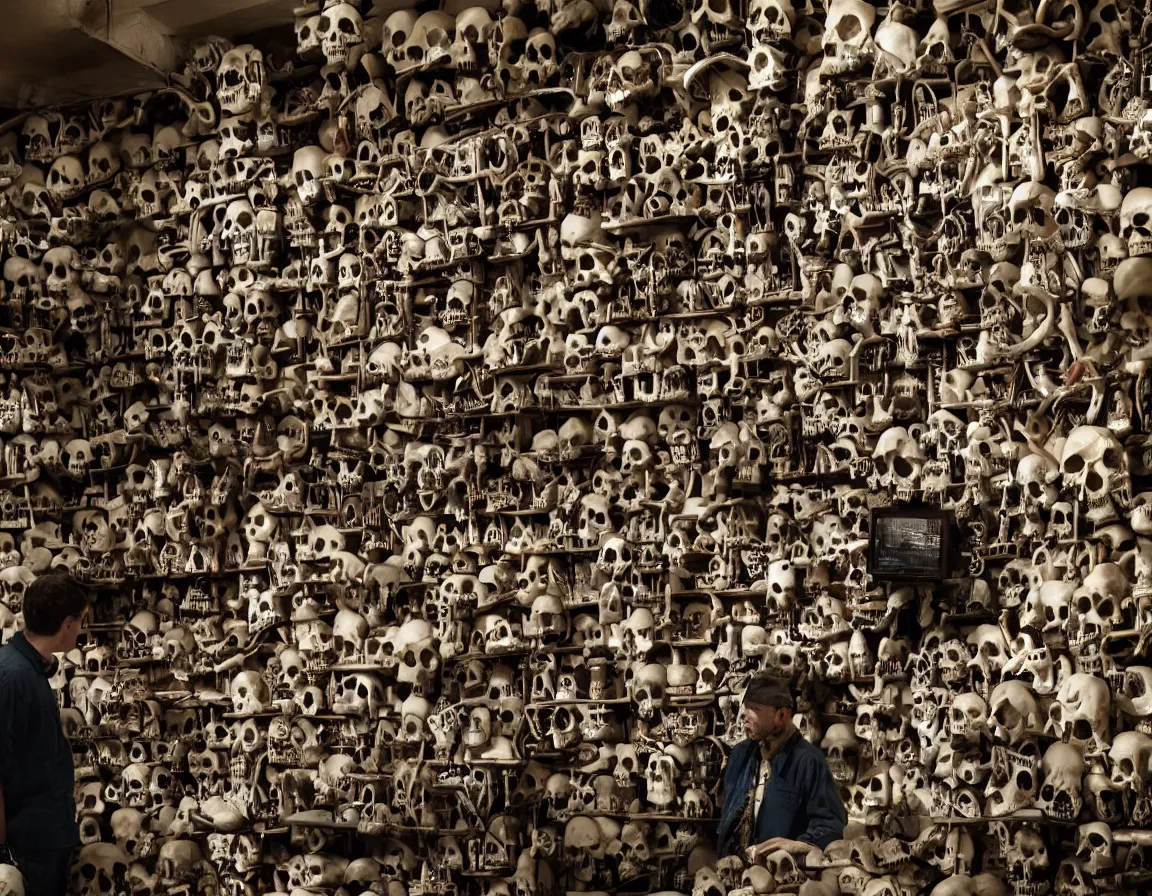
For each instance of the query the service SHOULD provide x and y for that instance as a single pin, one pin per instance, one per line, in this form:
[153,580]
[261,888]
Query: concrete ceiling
[57,52]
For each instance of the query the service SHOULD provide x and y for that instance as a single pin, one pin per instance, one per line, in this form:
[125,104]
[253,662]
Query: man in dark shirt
[778,791]
[37,807]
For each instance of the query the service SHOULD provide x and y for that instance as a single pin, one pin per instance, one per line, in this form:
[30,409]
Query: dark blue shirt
[801,801]
[35,757]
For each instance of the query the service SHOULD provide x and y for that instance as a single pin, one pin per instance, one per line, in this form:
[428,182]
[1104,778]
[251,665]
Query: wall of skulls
[452,410]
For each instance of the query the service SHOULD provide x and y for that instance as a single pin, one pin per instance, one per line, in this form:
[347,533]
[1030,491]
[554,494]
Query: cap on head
[768,690]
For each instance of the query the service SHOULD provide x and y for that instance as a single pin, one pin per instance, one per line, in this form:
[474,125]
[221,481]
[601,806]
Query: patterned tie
[765,777]
[747,822]
[752,802]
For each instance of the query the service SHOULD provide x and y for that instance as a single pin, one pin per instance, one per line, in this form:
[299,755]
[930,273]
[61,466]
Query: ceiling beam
[74,51]
[227,17]
[134,34]
[86,85]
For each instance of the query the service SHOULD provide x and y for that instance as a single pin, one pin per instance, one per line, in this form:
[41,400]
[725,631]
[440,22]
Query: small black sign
[909,545]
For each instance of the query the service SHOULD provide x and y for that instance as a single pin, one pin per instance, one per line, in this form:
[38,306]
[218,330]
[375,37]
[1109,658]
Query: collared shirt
[36,769]
[767,751]
[761,786]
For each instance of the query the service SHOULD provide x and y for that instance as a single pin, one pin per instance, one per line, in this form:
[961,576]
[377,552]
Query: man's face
[72,628]
[763,722]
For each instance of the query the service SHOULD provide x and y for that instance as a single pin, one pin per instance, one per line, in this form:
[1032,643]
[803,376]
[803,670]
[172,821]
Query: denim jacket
[801,801]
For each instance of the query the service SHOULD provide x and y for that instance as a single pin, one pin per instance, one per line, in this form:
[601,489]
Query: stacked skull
[454,410]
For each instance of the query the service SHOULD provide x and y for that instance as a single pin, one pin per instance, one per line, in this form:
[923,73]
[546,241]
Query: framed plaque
[909,545]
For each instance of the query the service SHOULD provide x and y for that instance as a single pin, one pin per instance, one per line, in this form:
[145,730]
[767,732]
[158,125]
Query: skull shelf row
[456,411]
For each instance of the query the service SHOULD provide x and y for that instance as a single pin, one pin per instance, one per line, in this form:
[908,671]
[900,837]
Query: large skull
[1031,209]
[898,460]
[340,29]
[1063,771]
[99,870]
[1136,221]
[249,693]
[770,21]
[1131,760]
[847,38]
[240,80]
[1015,715]
[1095,470]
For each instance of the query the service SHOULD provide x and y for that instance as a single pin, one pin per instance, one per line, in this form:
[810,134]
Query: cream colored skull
[97,870]
[1095,469]
[1063,771]
[67,178]
[847,38]
[240,80]
[1136,221]
[898,460]
[474,27]
[770,21]
[249,693]
[1131,759]
[1031,210]
[1015,715]
[340,29]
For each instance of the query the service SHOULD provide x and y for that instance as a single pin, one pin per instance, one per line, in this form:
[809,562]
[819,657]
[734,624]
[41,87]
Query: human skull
[240,80]
[1136,221]
[770,21]
[1094,466]
[1063,771]
[847,40]
[249,693]
[100,869]
[339,29]
[1015,714]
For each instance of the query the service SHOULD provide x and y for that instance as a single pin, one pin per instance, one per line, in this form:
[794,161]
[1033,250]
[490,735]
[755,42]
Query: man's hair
[50,600]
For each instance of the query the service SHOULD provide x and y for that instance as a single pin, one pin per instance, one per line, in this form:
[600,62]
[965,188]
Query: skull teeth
[1086,643]
[1139,245]
[617,97]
